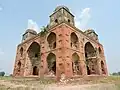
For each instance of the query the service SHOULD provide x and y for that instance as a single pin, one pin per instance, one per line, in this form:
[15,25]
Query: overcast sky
[101,15]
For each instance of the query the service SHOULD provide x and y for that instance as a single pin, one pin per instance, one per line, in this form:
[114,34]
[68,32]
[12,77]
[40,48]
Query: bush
[2,73]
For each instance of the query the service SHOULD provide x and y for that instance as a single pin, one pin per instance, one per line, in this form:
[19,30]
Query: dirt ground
[86,83]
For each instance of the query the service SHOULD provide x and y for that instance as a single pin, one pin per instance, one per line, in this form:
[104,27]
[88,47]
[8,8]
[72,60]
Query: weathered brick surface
[62,50]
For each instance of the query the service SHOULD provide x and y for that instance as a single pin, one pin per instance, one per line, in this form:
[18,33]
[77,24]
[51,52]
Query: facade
[60,48]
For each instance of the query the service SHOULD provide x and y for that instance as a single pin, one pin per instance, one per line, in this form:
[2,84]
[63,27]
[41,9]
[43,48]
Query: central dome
[31,31]
[59,7]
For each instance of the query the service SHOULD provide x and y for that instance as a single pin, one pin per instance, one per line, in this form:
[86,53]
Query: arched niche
[103,67]
[51,39]
[100,52]
[35,70]
[74,40]
[51,62]
[19,66]
[90,59]
[75,64]
[21,51]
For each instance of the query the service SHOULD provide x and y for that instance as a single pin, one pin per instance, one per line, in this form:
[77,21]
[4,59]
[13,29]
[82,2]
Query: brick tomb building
[60,48]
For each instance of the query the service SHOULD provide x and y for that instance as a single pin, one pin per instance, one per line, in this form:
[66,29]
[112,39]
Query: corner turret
[91,33]
[28,34]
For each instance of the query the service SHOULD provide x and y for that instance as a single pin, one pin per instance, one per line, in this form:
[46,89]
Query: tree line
[116,73]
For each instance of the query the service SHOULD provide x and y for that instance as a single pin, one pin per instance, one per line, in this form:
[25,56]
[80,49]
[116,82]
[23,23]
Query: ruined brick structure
[60,48]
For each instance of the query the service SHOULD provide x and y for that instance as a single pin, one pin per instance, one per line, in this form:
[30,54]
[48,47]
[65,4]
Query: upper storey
[61,14]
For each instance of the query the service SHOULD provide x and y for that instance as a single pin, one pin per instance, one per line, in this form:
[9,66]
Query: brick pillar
[99,66]
[58,72]
[98,62]
[105,65]
[26,65]
[104,60]
[59,63]
[43,65]
[68,67]
[83,64]
[83,67]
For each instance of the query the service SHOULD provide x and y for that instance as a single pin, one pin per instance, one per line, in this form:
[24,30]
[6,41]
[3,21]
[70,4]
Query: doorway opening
[35,70]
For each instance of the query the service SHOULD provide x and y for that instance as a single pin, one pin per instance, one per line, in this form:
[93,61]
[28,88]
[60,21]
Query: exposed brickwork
[62,50]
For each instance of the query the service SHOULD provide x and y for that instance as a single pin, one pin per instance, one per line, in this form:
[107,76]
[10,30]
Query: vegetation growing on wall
[44,31]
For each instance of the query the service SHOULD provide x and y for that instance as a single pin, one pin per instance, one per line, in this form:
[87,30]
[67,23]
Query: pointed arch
[21,51]
[75,57]
[34,57]
[51,61]
[89,50]
[100,51]
[74,40]
[35,70]
[103,67]
[75,64]
[19,66]
[34,50]
[90,57]
[51,39]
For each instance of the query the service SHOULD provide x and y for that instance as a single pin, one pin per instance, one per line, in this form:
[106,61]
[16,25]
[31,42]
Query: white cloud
[83,19]
[33,25]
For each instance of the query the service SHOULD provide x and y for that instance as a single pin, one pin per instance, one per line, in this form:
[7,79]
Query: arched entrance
[51,61]
[34,57]
[35,70]
[75,64]
[52,40]
[91,59]
[74,40]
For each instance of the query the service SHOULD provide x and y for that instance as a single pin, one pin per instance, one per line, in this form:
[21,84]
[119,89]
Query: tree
[2,73]
[118,73]
[114,73]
